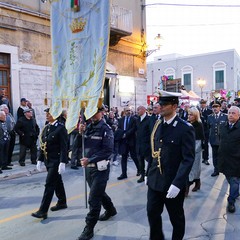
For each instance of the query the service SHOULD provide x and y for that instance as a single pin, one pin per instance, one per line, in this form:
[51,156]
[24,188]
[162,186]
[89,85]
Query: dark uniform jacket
[130,132]
[204,117]
[143,147]
[177,143]
[214,125]
[55,138]
[98,142]
[229,150]
[28,131]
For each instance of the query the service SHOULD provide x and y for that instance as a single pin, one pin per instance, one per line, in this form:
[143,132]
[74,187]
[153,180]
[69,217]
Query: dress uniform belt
[91,165]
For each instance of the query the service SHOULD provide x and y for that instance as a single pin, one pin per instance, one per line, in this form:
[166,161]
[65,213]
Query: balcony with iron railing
[121,24]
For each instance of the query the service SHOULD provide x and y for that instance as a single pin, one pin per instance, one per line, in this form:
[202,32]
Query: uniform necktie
[230,126]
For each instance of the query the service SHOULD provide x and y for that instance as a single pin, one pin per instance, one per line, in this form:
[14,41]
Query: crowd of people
[167,143]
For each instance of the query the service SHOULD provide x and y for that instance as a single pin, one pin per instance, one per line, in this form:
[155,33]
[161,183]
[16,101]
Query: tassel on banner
[45,100]
[75,5]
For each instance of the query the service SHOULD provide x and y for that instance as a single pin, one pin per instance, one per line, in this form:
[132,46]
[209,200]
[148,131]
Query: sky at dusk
[190,30]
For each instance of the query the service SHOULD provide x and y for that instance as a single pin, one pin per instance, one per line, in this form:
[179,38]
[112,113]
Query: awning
[189,95]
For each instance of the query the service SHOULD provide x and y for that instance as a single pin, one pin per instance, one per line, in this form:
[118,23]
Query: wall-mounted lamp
[146,52]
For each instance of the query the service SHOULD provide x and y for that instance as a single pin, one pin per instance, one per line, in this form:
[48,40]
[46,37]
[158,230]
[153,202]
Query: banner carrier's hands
[61,168]
[172,191]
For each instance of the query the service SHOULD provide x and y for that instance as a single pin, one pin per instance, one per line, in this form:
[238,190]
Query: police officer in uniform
[173,152]
[53,153]
[98,148]
[215,121]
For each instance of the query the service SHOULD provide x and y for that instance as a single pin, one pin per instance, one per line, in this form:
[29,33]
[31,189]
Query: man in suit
[173,151]
[53,142]
[155,116]
[204,113]
[127,144]
[229,155]
[215,121]
[184,113]
[143,147]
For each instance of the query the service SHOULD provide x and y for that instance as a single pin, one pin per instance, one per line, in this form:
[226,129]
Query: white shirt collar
[170,120]
[143,116]
[53,123]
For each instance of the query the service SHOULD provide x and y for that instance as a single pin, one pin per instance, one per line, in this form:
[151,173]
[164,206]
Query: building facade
[25,54]
[220,70]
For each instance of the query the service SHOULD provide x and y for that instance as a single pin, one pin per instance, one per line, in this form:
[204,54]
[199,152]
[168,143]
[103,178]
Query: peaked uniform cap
[170,97]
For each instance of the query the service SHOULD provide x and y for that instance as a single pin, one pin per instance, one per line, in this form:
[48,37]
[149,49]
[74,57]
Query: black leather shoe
[231,207]
[58,207]
[141,179]
[206,162]
[138,173]
[10,164]
[87,234]
[1,171]
[34,162]
[214,174]
[121,177]
[22,164]
[39,214]
[6,168]
[107,214]
[74,167]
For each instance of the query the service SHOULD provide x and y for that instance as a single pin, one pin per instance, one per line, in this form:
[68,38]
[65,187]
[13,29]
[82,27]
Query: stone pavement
[205,210]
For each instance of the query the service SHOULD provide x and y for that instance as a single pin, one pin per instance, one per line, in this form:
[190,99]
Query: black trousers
[97,181]
[155,203]
[132,151]
[11,146]
[76,150]
[53,184]
[205,153]
[215,157]
[23,152]
[3,153]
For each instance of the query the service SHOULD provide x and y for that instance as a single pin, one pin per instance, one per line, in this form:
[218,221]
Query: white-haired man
[229,154]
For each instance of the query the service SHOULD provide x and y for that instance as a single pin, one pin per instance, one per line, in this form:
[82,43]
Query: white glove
[145,180]
[39,165]
[172,191]
[61,168]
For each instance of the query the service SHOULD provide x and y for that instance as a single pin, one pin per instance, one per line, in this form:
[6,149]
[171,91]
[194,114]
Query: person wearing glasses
[173,153]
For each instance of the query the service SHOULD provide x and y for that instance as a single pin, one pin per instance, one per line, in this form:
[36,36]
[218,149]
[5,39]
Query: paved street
[21,191]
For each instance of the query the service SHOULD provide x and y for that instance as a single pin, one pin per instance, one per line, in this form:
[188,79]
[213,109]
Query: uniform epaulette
[185,122]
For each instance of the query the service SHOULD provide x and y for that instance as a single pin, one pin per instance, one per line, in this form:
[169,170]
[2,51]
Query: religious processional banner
[80,37]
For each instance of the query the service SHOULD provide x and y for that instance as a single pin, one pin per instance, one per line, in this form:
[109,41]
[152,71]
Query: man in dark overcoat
[215,121]
[173,151]
[143,146]
[229,155]
[27,129]
[127,144]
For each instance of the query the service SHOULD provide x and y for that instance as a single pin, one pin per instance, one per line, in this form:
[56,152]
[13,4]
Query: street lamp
[201,83]
[157,41]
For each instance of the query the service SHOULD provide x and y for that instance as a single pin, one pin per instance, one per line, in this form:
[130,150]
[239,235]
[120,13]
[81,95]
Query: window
[187,81]
[219,75]
[219,79]
[187,77]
